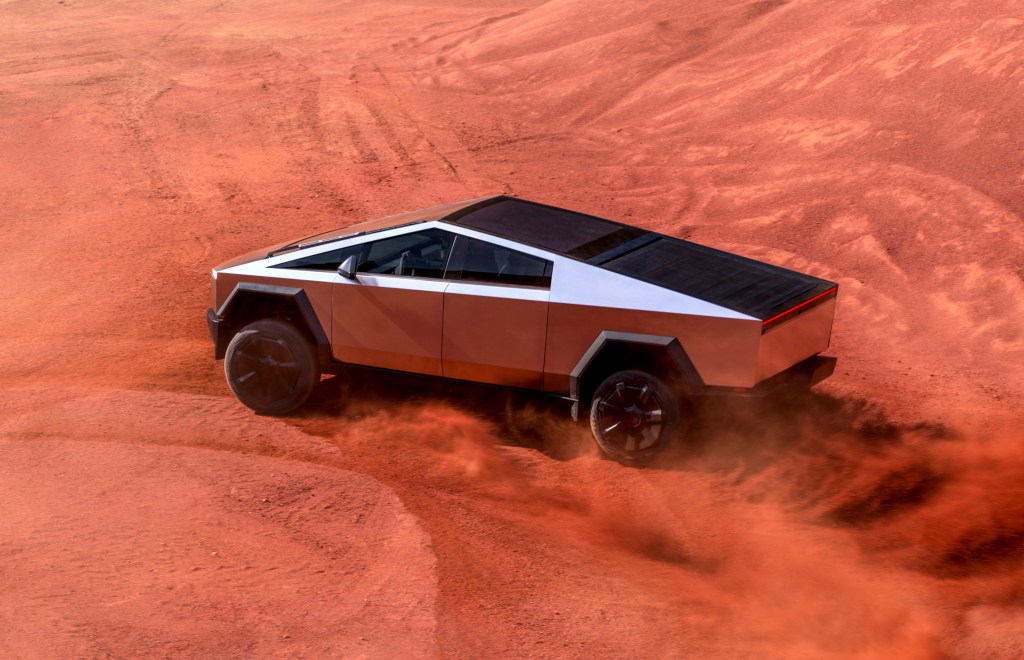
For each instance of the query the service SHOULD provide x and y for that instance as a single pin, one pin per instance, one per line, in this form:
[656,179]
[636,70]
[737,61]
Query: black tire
[634,417]
[271,367]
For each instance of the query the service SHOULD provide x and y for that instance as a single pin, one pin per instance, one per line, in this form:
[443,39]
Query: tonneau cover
[744,285]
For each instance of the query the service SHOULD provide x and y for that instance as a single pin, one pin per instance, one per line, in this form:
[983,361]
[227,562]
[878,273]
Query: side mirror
[347,269]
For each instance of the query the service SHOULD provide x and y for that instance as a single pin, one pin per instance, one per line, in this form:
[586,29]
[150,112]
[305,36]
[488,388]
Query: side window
[420,254]
[480,261]
[324,261]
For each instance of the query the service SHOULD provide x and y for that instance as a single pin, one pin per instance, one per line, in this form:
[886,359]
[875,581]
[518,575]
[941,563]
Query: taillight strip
[796,309]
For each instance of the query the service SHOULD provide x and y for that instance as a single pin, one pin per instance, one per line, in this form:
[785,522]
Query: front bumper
[217,334]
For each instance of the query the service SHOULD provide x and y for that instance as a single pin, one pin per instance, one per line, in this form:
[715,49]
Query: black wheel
[271,367]
[634,416]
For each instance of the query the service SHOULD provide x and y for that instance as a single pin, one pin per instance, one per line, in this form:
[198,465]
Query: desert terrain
[145,513]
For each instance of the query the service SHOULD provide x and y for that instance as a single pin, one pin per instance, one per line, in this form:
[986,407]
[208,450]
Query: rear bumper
[216,327]
[798,378]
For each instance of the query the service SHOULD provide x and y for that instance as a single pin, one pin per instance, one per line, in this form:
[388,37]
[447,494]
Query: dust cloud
[807,527]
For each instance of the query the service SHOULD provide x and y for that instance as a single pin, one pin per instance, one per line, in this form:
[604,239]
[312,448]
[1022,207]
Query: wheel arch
[614,351]
[250,302]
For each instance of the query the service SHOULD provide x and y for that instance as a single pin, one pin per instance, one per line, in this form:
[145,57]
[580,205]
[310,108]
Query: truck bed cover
[744,285]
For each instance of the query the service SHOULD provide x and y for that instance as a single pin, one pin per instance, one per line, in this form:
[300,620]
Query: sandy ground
[146,513]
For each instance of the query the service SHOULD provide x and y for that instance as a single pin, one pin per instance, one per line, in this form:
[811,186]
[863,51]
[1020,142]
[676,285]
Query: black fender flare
[227,321]
[670,346]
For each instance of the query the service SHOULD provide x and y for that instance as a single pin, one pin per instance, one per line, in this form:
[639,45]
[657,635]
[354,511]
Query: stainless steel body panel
[387,321]
[491,337]
[795,339]
[723,351]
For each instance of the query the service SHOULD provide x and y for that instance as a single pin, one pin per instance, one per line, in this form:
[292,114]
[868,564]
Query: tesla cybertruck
[629,325]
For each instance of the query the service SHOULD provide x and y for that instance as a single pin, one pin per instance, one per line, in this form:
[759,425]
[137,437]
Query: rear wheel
[271,367]
[634,417]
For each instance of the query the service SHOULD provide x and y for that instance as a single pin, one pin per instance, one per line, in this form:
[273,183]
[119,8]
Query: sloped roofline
[439,212]
[745,285]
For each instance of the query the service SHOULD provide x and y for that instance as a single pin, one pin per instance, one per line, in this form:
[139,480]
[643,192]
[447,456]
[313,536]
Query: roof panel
[569,233]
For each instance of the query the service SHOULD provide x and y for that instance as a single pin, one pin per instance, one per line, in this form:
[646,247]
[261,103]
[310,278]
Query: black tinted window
[421,254]
[323,261]
[480,261]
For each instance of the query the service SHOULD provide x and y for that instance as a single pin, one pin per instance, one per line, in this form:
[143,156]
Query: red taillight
[797,309]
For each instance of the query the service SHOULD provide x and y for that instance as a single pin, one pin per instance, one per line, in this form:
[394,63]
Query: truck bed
[751,287]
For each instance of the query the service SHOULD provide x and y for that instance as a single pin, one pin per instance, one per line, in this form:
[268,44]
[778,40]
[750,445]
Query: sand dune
[872,143]
[871,140]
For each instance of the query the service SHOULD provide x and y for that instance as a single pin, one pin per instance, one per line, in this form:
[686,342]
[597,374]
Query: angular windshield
[568,233]
[380,224]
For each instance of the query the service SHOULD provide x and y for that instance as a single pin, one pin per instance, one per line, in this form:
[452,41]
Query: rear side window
[474,260]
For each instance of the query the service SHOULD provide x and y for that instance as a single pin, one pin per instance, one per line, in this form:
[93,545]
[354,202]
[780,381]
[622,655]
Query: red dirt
[147,514]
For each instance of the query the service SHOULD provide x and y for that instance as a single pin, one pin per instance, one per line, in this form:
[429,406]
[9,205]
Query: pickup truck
[629,325]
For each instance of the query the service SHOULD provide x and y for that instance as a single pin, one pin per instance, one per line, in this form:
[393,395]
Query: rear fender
[614,351]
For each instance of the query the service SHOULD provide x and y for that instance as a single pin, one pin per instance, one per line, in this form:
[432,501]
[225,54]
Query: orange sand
[146,513]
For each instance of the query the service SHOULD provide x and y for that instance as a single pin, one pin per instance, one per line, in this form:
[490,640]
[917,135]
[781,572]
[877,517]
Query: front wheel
[271,367]
[634,417]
